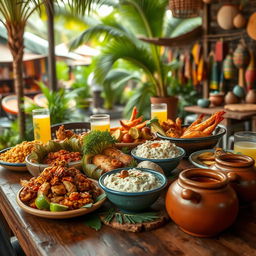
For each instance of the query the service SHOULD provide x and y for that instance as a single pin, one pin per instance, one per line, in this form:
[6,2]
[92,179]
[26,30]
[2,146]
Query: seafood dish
[160,149]
[62,155]
[132,180]
[62,134]
[197,129]
[133,130]
[59,188]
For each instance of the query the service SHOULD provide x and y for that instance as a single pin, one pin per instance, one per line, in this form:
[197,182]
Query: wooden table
[44,237]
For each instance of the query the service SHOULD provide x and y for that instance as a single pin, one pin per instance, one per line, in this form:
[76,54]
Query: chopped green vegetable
[96,141]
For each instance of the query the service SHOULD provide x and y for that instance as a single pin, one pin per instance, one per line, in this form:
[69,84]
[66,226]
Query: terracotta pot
[172,104]
[251,97]
[217,99]
[241,173]
[201,202]
[231,98]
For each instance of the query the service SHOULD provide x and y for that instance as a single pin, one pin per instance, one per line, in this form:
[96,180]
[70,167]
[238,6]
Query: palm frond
[185,26]
[96,32]
[145,16]
[123,49]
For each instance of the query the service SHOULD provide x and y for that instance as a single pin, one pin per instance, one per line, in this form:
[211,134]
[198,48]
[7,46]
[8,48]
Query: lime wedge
[42,202]
[58,207]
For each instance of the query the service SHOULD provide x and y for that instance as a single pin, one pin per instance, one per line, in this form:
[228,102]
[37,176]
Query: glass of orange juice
[159,111]
[42,124]
[100,122]
[245,143]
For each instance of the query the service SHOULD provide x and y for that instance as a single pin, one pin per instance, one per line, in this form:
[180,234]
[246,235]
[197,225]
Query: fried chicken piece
[62,134]
[59,189]
[57,199]
[70,187]
[44,189]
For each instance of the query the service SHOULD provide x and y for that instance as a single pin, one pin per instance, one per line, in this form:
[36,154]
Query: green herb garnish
[96,141]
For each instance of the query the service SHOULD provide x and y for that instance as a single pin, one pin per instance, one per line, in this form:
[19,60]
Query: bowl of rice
[162,152]
[133,189]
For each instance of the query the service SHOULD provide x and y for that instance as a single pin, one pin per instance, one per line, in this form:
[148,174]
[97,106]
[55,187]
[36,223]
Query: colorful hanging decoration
[196,52]
[250,74]
[241,59]
[188,66]
[214,82]
[200,70]
[228,67]
[221,50]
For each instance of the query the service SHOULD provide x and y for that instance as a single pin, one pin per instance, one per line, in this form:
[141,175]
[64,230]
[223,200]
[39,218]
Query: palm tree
[14,16]
[129,20]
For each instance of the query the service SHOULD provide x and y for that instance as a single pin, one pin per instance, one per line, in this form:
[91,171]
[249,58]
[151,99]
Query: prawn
[208,122]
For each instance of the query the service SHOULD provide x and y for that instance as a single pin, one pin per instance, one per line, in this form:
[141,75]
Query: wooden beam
[206,31]
[52,79]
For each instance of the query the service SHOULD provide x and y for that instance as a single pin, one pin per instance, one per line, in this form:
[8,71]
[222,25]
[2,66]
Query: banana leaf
[72,145]
[91,170]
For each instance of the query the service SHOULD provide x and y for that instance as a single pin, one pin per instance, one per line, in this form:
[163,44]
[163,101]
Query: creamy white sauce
[159,149]
[136,181]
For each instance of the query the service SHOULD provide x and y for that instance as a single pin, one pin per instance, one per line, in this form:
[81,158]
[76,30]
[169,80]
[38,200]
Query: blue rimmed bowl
[18,167]
[167,164]
[133,202]
[194,144]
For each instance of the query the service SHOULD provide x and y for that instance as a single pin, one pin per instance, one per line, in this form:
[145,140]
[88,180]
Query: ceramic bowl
[35,168]
[195,144]
[19,167]
[133,202]
[168,165]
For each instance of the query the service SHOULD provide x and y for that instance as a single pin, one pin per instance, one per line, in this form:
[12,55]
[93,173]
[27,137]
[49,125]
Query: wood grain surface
[44,237]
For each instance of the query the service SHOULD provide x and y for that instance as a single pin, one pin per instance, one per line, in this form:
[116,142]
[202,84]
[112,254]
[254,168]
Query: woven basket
[185,8]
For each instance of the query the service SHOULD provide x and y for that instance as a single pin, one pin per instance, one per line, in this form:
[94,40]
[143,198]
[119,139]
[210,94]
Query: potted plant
[129,19]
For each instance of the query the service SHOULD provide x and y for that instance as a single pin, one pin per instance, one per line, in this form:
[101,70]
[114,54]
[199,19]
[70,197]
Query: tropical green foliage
[118,35]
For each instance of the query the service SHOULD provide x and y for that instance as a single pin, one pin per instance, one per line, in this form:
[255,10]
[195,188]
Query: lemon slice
[134,132]
[42,202]
[57,207]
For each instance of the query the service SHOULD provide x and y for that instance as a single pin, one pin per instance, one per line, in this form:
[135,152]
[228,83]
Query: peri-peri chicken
[119,155]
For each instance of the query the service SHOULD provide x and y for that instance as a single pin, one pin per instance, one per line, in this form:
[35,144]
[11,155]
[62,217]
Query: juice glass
[159,111]
[100,122]
[245,143]
[42,124]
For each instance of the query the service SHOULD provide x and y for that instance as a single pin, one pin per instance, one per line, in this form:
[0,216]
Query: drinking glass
[245,143]
[100,122]
[42,124]
[159,111]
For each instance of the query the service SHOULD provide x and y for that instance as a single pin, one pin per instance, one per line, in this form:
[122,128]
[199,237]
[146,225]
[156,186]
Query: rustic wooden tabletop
[45,237]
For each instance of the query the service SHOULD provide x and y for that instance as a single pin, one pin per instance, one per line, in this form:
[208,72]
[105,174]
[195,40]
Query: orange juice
[42,127]
[100,126]
[246,148]
[160,114]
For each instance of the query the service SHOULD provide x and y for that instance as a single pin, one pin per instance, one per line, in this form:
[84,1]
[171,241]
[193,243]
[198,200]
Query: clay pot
[251,97]
[241,173]
[201,202]
[217,99]
[172,104]
[231,98]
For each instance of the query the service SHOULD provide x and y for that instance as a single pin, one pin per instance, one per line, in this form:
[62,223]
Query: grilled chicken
[59,189]
[106,163]
[119,155]
[44,189]
[70,187]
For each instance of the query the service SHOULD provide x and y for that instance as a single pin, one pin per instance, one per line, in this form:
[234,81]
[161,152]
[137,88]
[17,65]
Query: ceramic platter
[18,167]
[60,215]
[193,158]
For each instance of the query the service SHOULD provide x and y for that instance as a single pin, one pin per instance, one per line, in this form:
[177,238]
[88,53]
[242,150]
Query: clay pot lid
[186,177]
[234,160]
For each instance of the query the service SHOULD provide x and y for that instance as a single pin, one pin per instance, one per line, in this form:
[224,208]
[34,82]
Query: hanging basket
[185,8]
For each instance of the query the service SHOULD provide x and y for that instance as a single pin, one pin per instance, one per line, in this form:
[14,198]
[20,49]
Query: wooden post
[51,47]
[206,28]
